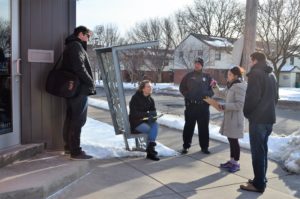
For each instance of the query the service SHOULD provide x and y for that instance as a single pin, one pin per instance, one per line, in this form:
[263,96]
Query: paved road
[288,119]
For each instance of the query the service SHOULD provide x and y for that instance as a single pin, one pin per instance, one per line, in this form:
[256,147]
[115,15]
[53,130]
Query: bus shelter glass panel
[113,85]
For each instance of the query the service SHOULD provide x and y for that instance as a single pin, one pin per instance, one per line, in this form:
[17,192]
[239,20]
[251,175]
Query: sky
[124,13]
[4,5]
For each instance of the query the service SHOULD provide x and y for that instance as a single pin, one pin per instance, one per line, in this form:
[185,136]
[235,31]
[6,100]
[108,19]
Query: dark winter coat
[75,59]
[140,106]
[195,86]
[261,95]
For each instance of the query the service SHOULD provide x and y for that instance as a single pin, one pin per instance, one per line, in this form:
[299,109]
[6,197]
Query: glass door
[9,74]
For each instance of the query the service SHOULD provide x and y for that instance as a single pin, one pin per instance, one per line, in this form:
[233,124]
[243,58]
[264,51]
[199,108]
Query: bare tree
[132,60]
[5,35]
[106,35]
[103,36]
[279,31]
[155,29]
[223,18]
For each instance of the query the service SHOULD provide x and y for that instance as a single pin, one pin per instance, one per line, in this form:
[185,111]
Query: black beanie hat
[199,60]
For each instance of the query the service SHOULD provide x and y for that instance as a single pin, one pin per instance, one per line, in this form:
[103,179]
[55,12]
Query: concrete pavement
[194,175]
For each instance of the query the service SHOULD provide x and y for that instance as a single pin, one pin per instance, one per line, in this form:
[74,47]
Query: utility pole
[249,33]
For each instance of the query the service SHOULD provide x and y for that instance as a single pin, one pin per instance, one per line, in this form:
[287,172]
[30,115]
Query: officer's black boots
[184,151]
[205,151]
[151,153]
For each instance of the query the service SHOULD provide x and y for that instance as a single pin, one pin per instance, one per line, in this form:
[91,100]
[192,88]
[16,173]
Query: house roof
[216,42]
[288,68]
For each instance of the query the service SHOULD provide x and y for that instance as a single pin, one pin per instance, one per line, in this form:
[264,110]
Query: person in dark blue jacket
[259,108]
[195,86]
[75,60]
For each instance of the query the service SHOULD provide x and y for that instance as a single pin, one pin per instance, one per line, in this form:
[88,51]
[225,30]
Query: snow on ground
[289,94]
[281,149]
[99,140]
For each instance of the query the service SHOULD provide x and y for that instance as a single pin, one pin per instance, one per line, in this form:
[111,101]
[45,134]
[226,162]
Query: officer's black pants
[75,119]
[196,113]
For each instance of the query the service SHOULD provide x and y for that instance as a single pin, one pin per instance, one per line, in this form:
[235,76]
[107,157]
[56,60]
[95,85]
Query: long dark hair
[237,71]
[142,85]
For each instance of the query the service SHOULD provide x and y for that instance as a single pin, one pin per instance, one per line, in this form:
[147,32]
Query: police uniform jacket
[195,86]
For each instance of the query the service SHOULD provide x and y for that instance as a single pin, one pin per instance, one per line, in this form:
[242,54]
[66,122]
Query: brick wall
[218,74]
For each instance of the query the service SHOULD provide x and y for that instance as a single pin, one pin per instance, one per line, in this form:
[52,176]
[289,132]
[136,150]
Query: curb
[19,152]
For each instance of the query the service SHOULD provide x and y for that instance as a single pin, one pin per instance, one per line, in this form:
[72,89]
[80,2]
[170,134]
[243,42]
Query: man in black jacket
[259,109]
[75,59]
[195,86]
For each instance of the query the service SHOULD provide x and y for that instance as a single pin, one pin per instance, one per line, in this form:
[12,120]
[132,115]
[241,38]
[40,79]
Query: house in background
[215,51]
[153,64]
[289,76]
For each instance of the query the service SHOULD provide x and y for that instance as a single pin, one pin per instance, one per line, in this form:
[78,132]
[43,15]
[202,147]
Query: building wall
[167,76]
[287,79]
[44,25]
[190,49]
[218,75]
[179,74]
[192,46]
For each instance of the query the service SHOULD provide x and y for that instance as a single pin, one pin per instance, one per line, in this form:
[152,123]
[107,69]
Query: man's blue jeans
[259,135]
[150,129]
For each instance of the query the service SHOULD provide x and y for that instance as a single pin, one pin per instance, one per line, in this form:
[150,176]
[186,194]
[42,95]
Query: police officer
[195,86]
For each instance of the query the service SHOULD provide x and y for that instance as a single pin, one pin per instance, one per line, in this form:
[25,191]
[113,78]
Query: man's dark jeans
[75,119]
[259,135]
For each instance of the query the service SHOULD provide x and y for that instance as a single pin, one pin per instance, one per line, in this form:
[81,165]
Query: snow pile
[282,149]
[99,139]
[290,94]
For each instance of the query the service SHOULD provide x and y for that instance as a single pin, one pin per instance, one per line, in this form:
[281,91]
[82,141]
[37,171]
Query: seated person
[142,116]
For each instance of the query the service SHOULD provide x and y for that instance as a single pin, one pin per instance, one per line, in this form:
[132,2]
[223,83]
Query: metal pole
[249,32]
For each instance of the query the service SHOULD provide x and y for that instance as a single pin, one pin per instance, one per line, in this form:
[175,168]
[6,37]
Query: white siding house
[289,76]
[290,73]
[215,51]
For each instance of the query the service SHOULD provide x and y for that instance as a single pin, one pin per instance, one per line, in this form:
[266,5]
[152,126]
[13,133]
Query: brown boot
[251,187]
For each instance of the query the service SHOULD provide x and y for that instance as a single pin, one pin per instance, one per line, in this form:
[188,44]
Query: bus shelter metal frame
[113,85]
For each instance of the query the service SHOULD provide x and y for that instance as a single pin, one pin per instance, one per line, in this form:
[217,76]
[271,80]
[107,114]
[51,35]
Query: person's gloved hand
[152,113]
[213,83]
[152,116]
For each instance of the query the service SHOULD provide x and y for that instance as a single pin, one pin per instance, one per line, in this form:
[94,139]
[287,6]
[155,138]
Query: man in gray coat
[75,60]
[259,109]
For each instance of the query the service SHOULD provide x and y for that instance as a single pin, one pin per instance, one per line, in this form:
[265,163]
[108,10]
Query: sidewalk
[194,175]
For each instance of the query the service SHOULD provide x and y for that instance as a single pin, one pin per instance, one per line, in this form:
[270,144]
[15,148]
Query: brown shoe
[251,187]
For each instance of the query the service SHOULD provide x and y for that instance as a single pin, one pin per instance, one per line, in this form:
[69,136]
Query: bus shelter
[109,63]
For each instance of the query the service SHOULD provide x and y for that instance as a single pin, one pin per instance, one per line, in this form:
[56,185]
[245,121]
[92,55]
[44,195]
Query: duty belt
[189,102]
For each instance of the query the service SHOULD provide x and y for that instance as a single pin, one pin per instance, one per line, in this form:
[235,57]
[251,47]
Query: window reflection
[5,68]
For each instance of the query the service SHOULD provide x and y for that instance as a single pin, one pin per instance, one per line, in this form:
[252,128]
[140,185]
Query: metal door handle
[18,67]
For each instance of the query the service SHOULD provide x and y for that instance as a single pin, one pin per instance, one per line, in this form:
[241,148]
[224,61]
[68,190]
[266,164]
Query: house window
[200,53]
[292,60]
[181,54]
[285,77]
[218,55]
